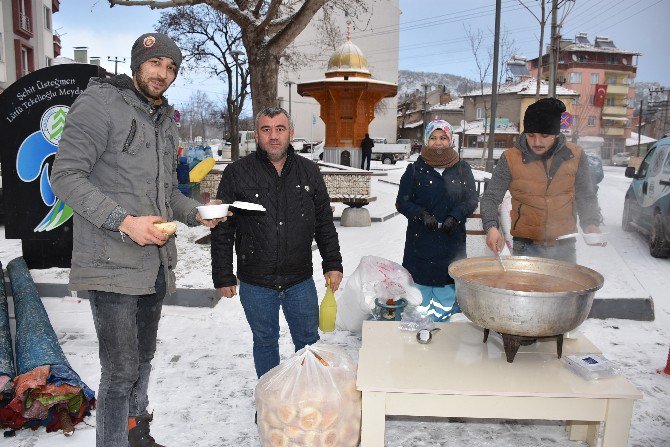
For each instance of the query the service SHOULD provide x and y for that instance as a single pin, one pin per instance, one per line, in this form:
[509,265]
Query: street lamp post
[235,121]
[236,55]
[289,84]
[425,105]
[116,61]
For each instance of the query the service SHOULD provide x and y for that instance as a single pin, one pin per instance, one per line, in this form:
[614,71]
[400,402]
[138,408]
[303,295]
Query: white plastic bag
[310,400]
[374,277]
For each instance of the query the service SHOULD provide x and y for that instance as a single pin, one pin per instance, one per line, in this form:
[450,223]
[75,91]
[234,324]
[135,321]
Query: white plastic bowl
[214,211]
[595,238]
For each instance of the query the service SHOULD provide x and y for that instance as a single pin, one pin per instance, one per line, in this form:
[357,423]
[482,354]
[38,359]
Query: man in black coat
[274,247]
[366,148]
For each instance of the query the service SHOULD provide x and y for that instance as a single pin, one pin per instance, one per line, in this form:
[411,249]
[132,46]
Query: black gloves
[429,221]
[449,224]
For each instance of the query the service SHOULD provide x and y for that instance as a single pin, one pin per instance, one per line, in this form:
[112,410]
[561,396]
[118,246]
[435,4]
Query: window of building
[480,113]
[627,81]
[610,101]
[612,80]
[47,17]
[25,58]
[594,78]
[47,61]
[575,78]
[592,99]
[500,144]
[575,101]
[25,13]
[592,121]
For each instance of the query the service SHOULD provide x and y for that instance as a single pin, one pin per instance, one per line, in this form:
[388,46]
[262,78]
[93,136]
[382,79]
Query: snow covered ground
[203,379]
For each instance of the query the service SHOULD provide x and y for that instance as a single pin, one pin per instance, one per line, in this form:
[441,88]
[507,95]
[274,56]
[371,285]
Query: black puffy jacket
[274,248]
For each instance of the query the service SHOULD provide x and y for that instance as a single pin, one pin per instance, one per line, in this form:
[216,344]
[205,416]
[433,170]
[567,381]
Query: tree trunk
[263,73]
[234,139]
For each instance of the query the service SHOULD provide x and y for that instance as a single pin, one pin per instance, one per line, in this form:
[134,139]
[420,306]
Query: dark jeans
[261,307]
[563,251]
[127,326]
[366,156]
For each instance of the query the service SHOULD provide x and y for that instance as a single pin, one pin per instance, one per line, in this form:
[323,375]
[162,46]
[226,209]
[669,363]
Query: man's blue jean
[261,307]
[127,327]
[563,251]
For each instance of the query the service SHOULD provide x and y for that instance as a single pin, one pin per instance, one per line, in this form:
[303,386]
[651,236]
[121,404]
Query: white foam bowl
[595,238]
[214,211]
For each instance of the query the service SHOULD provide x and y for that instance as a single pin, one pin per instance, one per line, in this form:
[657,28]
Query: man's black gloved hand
[429,221]
[449,224]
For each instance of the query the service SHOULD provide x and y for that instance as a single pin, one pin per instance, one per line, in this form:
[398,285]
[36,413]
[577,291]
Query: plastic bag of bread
[310,400]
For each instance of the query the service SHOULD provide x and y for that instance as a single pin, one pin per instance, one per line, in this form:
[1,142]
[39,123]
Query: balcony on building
[615,110]
[57,45]
[614,125]
[613,131]
[24,23]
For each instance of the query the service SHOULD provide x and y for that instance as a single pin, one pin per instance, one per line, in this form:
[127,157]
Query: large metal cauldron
[530,314]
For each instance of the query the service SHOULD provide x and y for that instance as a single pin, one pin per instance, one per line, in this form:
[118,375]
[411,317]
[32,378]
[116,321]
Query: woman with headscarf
[436,194]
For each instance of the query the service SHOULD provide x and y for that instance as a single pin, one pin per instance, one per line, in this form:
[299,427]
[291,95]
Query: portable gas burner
[512,343]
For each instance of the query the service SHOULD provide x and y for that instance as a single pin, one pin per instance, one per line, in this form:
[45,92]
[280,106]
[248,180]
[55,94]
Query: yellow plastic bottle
[328,310]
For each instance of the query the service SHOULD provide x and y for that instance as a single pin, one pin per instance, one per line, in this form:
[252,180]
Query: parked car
[647,203]
[317,151]
[621,159]
[390,153]
[302,145]
[247,143]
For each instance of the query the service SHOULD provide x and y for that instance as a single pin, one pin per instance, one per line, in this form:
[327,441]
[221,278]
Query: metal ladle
[501,263]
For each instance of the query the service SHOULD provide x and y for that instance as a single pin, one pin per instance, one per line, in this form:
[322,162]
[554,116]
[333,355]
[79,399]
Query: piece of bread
[166,227]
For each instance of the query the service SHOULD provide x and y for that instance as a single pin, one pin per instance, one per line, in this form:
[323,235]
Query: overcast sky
[432,34]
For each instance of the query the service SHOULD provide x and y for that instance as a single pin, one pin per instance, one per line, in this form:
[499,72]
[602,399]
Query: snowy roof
[456,104]
[632,141]
[477,128]
[590,48]
[413,125]
[525,87]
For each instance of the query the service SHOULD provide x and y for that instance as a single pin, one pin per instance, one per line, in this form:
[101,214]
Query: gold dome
[348,58]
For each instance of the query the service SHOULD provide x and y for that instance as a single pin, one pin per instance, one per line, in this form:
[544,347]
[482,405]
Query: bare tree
[508,49]
[267,28]
[483,61]
[580,118]
[200,112]
[212,43]
[542,20]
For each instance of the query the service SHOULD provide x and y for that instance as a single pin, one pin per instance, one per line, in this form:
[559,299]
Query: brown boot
[138,432]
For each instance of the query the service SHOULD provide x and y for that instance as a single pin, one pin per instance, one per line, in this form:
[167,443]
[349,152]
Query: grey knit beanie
[153,45]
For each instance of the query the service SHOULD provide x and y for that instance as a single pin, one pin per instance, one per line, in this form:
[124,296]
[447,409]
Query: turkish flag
[599,98]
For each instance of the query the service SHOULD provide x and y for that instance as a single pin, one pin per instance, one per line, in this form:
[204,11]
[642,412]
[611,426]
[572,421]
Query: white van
[247,143]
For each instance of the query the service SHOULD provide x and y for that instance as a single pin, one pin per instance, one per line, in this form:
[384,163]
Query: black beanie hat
[153,45]
[544,116]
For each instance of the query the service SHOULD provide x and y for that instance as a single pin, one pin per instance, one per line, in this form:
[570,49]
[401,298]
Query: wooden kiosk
[347,96]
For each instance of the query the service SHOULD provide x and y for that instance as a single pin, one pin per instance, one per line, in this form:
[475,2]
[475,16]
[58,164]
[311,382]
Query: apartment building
[27,40]
[512,101]
[603,75]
